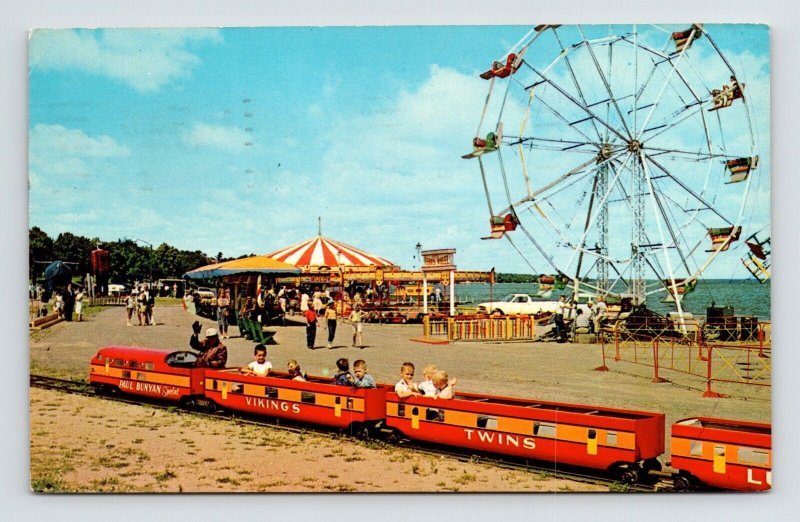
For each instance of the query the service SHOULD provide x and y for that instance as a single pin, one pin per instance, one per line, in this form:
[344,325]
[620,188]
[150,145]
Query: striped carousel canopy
[323,251]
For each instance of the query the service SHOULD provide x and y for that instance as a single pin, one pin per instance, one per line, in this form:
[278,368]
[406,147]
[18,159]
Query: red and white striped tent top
[323,251]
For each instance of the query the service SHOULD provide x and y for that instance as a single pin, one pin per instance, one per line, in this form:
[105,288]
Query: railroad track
[654,481]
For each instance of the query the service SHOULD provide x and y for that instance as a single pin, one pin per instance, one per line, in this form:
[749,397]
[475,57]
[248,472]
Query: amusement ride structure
[627,159]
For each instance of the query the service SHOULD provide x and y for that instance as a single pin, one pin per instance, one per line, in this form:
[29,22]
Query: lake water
[747,297]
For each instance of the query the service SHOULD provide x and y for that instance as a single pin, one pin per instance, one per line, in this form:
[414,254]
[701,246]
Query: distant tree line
[129,260]
[515,278]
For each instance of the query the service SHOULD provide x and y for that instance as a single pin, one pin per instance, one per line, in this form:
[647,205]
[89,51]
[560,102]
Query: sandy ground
[83,444]
[62,426]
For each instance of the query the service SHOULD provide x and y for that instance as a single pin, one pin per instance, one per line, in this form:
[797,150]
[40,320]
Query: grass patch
[48,484]
[465,479]
[165,475]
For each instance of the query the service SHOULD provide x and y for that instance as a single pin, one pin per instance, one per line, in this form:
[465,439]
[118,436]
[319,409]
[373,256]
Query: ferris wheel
[619,162]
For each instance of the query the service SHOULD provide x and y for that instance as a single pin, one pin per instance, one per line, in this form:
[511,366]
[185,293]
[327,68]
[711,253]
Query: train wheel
[393,438]
[630,475]
[362,433]
[681,483]
[105,389]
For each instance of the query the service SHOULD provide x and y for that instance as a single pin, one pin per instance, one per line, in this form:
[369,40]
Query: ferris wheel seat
[724,97]
[721,238]
[481,146]
[542,27]
[500,69]
[740,168]
[682,38]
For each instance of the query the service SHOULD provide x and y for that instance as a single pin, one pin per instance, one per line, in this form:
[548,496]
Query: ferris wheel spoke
[689,190]
[605,84]
[694,155]
[662,218]
[665,58]
[566,121]
[577,85]
[660,96]
[578,103]
[556,182]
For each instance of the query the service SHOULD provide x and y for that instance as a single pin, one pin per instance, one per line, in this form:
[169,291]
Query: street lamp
[152,256]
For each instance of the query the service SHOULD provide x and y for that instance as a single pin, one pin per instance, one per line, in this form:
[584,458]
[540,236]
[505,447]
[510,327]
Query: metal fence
[480,328]
[745,359]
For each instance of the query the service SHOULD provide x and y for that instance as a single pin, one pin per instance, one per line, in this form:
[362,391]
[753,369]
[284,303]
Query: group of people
[437,383]
[591,322]
[69,302]
[328,316]
[359,378]
[142,301]
[214,354]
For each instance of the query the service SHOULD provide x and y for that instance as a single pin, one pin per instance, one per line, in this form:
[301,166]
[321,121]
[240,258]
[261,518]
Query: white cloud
[143,58]
[217,136]
[57,141]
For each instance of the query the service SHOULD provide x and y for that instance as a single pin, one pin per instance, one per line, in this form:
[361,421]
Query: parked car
[522,304]
[117,289]
[205,293]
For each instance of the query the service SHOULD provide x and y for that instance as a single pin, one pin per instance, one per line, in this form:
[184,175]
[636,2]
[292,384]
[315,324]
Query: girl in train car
[295,373]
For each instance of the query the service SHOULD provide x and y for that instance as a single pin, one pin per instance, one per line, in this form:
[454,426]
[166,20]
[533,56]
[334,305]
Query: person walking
[311,327]
[330,317]
[355,320]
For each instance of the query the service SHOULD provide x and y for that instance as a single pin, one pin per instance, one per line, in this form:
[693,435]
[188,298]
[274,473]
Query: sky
[242,140]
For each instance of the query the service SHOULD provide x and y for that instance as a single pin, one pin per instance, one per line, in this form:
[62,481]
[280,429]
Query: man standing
[600,312]
[69,302]
[561,309]
[311,327]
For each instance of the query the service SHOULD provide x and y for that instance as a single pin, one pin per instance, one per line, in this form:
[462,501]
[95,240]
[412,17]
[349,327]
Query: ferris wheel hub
[635,146]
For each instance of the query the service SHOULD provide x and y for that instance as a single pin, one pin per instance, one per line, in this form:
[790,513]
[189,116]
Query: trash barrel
[749,328]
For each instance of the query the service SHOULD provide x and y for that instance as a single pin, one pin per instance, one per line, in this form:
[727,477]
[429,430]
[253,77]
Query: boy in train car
[362,378]
[443,385]
[260,366]
[426,387]
[343,376]
[406,387]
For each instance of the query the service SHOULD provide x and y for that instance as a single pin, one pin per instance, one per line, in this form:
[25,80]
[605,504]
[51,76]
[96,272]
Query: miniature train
[706,452]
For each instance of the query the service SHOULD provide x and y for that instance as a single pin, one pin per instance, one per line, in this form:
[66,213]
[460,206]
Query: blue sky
[236,140]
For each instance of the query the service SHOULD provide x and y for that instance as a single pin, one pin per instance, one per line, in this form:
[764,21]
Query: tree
[40,248]
[74,250]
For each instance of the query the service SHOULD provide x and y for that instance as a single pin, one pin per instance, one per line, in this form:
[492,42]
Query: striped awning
[245,265]
[323,251]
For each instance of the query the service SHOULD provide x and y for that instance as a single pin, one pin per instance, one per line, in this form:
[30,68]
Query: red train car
[722,453]
[589,436]
[314,401]
[163,374]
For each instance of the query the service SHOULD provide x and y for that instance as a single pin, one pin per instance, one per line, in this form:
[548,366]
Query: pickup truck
[523,304]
